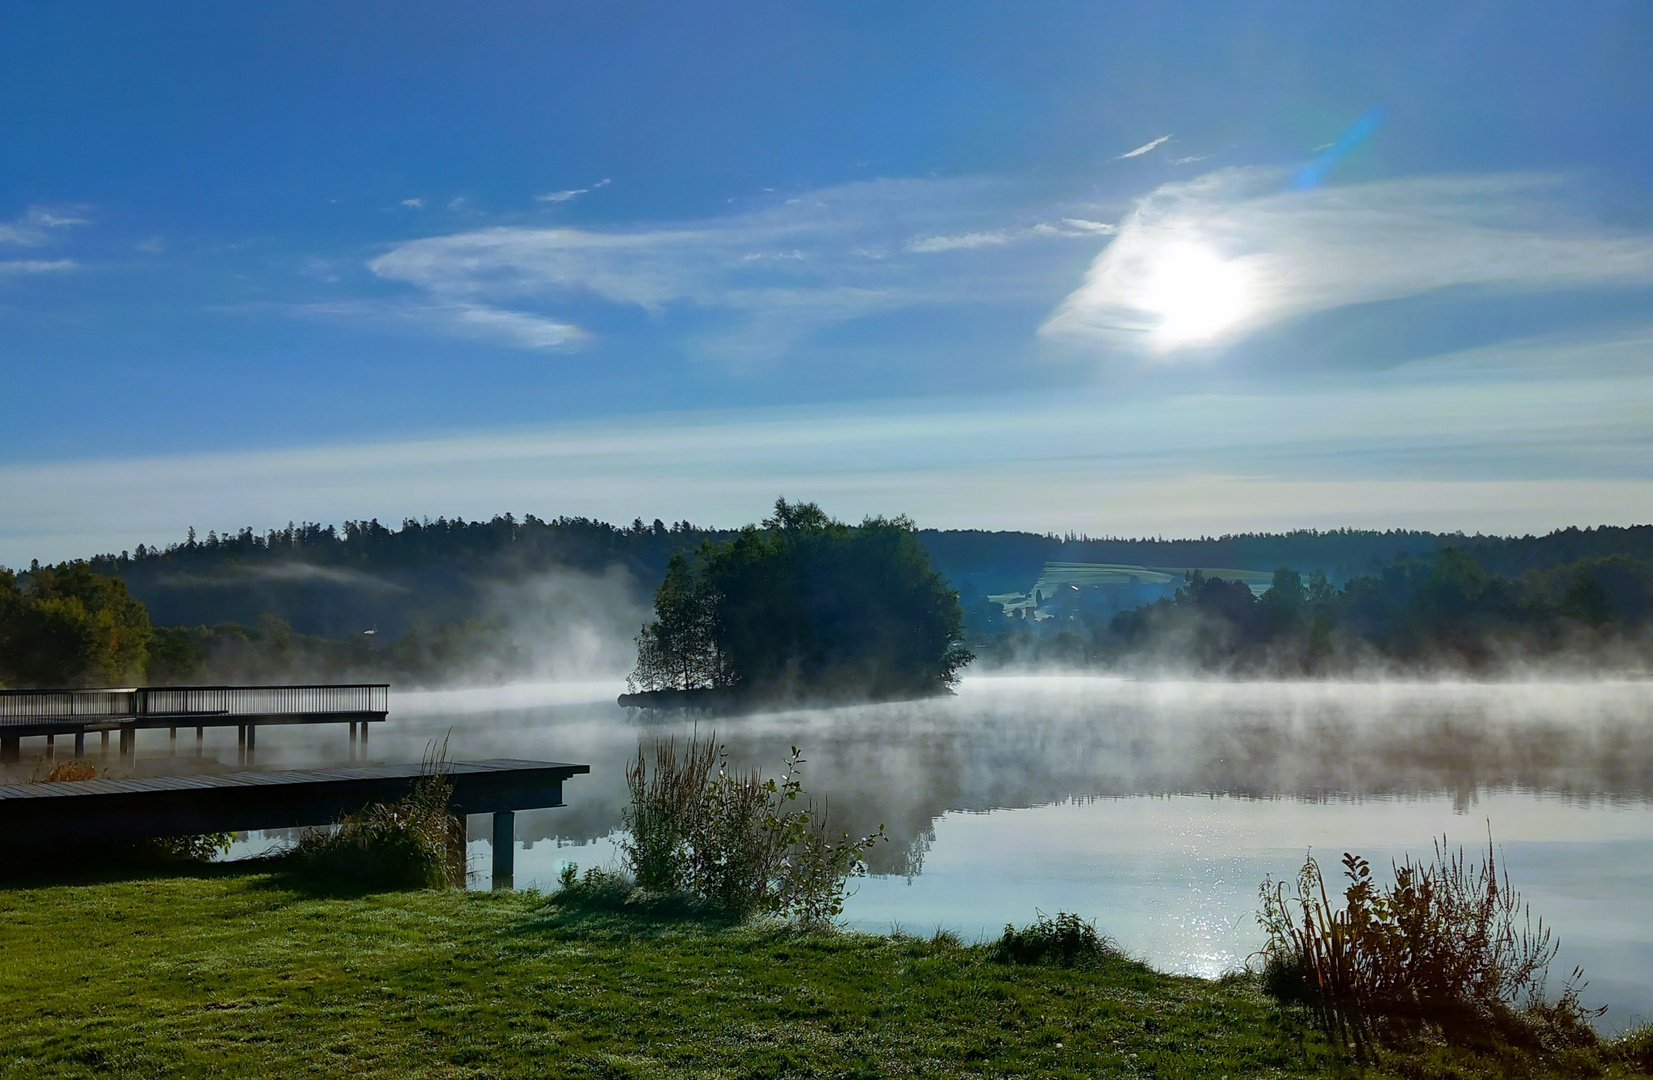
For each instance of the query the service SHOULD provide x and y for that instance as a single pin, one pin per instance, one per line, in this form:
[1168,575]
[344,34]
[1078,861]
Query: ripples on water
[1155,808]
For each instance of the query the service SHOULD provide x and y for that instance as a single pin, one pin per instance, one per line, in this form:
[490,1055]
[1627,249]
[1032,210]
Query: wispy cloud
[37,266]
[414,204]
[963,242]
[477,321]
[34,227]
[998,237]
[561,196]
[776,274]
[1144,148]
[1101,228]
[517,327]
[1277,255]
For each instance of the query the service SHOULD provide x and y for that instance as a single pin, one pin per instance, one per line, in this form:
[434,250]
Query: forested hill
[337,581]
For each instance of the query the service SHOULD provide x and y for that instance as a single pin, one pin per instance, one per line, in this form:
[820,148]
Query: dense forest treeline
[430,599]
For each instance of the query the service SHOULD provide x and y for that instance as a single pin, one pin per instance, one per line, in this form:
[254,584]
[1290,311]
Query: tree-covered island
[801,606]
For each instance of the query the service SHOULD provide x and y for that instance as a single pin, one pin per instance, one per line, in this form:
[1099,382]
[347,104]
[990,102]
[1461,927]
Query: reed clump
[414,843]
[742,842]
[63,771]
[1448,950]
[1065,941]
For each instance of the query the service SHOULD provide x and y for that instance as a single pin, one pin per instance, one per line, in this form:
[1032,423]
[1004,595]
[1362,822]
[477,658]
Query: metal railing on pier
[138,703]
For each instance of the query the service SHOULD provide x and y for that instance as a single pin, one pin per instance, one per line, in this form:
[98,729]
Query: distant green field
[1083,575]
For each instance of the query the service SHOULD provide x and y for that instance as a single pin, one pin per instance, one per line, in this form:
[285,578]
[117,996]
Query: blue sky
[1104,267]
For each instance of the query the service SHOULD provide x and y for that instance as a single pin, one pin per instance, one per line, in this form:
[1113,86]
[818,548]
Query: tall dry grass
[1449,948]
[416,842]
[734,838]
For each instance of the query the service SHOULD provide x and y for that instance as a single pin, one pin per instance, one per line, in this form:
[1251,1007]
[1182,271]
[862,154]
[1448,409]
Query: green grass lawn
[229,972]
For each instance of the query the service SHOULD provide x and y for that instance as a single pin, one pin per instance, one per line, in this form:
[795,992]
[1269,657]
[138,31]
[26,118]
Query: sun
[1196,294]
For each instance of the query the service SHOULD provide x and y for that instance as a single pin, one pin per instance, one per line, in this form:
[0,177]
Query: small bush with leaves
[1066,941]
[415,843]
[736,839]
[1449,948]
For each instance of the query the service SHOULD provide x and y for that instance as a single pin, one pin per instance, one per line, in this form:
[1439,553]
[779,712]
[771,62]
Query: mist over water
[1154,807]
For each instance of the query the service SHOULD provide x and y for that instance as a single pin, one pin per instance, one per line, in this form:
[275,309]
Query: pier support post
[80,744]
[129,743]
[364,737]
[51,746]
[200,740]
[241,744]
[172,740]
[352,740]
[252,740]
[505,847]
[104,745]
[11,748]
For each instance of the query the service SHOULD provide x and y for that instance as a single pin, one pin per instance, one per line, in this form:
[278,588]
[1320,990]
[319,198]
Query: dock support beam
[51,746]
[252,741]
[129,743]
[80,744]
[505,848]
[11,748]
[352,740]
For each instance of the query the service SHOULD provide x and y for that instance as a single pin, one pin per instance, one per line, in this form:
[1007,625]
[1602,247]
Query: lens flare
[1196,294]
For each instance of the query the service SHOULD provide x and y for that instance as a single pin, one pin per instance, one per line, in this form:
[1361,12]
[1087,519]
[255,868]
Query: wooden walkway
[62,812]
[73,713]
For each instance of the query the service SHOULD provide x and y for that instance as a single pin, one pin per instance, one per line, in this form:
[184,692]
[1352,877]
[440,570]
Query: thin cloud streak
[33,228]
[1143,149]
[37,266]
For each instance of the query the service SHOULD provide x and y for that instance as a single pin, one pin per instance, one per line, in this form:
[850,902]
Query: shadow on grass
[606,903]
[104,864]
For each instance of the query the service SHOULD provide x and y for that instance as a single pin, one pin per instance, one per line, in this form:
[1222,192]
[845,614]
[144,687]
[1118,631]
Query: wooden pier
[55,814]
[51,714]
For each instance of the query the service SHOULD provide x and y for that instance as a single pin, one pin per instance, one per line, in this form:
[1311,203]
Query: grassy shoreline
[230,971]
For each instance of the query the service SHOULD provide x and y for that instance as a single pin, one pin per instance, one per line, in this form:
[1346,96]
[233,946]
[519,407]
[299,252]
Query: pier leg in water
[172,741]
[352,740]
[200,739]
[10,747]
[80,744]
[51,746]
[241,744]
[129,744]
[505,848]
[364,738]
[252,740]
[105,745]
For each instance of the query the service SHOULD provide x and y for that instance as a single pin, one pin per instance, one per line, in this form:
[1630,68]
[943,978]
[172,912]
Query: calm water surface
[1155,808]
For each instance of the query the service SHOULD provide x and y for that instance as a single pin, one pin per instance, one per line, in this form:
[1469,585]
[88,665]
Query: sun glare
[1195,294]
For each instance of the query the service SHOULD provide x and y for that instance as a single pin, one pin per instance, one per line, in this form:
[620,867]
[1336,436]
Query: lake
[1154,808]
